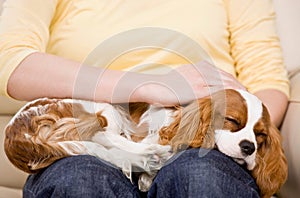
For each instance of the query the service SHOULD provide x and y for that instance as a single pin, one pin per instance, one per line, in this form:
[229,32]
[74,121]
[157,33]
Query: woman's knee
[80,176]
[209,173]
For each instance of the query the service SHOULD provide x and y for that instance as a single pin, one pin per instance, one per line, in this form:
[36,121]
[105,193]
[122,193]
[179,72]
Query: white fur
[27,136]
[121,151]
[156,118]
[73,147]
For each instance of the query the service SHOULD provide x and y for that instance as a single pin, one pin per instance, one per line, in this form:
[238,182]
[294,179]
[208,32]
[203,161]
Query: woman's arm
[45,75]
[276,102]
[255,48]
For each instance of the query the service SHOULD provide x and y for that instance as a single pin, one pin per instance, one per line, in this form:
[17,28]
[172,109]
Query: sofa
[288,15]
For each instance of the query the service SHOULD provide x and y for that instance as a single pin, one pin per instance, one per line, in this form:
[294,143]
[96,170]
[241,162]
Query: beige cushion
[1,2]
[291,141]
[9,106]
[10,192]
[295,88]
[288,23]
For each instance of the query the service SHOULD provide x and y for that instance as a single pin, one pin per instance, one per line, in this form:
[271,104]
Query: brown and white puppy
[233,121]
[239,125]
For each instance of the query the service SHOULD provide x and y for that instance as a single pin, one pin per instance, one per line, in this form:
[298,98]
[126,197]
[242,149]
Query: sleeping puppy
[143,137]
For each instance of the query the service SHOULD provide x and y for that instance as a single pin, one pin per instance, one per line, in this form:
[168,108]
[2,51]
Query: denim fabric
[186,175]
[203,173]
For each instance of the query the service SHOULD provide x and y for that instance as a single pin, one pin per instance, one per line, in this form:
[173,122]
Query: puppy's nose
[247,147]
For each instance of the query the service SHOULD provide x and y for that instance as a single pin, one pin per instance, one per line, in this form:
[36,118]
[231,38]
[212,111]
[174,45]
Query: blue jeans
[186,175]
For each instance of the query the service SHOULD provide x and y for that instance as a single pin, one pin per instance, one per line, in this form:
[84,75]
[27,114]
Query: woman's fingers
[186,83]
[204,74]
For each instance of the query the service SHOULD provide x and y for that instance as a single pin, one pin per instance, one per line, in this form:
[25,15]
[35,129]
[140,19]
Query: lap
[211,174]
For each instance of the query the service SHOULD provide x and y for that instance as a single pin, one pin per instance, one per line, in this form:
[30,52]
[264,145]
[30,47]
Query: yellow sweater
[237,36]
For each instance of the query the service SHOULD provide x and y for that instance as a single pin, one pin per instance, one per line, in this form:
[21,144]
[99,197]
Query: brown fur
[194,126]
[136,110]
[271,171]
[53,122]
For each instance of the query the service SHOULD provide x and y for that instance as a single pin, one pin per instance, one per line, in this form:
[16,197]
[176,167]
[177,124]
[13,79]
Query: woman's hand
[185,84]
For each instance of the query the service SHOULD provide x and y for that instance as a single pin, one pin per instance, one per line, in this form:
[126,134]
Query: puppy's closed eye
[232,120]
[232,124]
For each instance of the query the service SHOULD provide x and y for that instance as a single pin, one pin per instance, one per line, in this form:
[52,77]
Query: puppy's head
[250,138]
[240,119]
[239,125]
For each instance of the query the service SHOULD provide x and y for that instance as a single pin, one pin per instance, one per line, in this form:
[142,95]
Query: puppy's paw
[159,157]
[145,181]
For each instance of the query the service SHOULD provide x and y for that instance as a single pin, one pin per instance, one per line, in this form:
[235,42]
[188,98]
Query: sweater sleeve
[255,45]
[24,29]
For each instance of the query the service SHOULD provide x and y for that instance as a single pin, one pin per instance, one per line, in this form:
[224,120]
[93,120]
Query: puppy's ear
[191,127]
[271,169]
